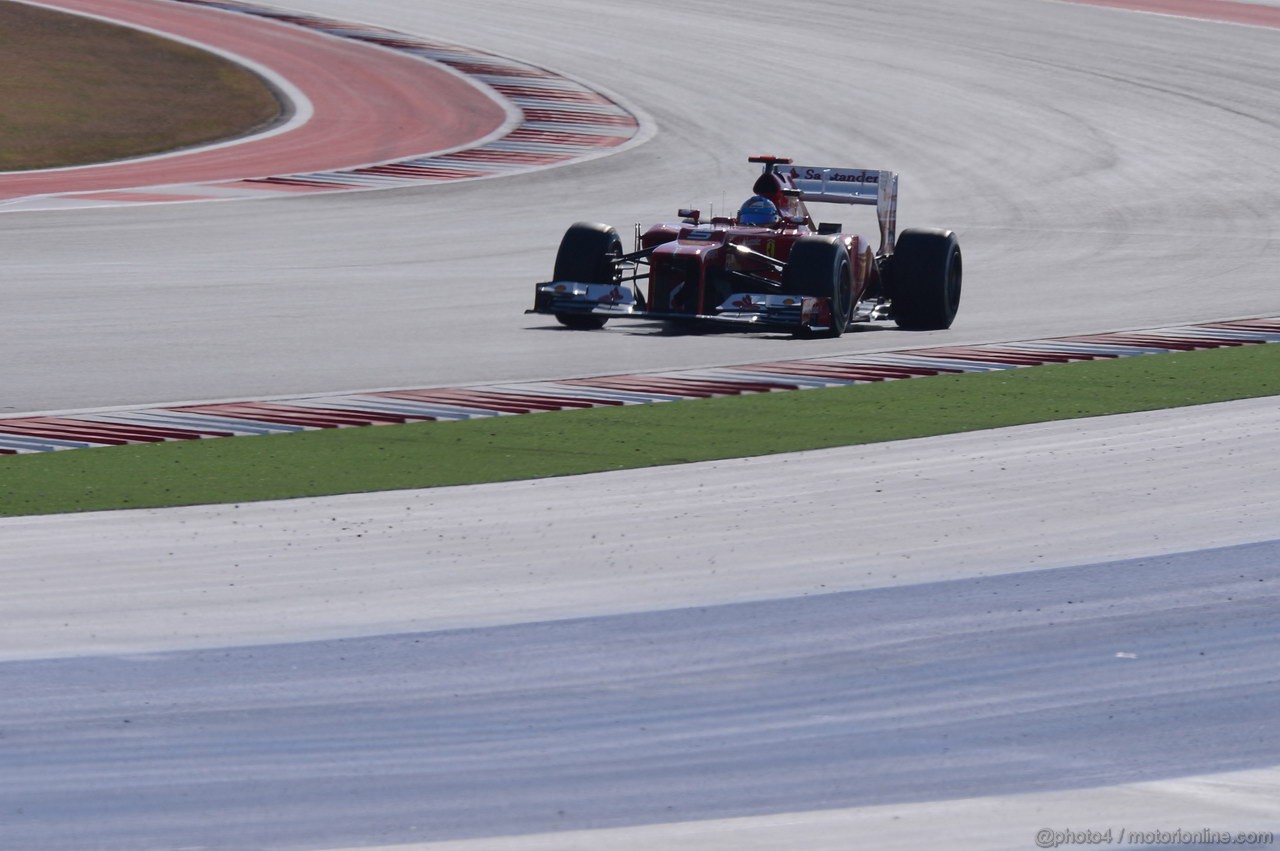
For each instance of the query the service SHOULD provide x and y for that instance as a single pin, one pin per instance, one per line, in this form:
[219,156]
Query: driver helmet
[758,210]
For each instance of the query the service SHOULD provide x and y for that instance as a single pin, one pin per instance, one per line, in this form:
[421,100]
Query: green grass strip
[566,443]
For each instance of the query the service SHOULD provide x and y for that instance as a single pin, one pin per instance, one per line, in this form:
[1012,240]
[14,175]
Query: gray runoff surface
[1103,170]
[1091,675]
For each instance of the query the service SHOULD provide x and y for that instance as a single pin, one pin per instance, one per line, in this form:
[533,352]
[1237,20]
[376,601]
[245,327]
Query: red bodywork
[732,269]
[688,262]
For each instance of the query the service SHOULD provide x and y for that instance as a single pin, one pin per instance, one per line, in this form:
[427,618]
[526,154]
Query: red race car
[769,267]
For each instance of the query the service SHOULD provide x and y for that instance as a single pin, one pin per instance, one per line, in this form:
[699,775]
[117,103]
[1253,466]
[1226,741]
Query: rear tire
[820,266]
[925,276]
[588,254]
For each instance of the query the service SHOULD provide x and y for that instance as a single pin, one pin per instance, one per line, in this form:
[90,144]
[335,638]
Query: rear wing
[842,186]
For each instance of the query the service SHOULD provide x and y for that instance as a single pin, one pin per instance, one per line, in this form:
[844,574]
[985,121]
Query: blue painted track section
[1056,679]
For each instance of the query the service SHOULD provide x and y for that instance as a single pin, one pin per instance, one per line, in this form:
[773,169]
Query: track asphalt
[671,644]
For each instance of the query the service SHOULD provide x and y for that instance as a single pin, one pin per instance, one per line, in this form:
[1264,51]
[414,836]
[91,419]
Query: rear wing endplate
[850,186]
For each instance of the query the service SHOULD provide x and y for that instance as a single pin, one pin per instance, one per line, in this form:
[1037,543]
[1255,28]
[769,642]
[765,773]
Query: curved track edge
[554,121]
[48,432]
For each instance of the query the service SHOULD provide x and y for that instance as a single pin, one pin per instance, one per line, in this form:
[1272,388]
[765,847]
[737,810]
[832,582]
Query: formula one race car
[769,267]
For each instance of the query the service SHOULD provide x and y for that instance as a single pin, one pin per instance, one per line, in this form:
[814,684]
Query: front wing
[759,310]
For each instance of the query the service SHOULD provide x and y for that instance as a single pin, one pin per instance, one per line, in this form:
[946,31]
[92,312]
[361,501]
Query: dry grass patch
[74,90]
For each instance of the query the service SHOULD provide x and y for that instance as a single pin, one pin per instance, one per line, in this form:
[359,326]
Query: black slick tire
[926,271]
[820,266]
[588,254]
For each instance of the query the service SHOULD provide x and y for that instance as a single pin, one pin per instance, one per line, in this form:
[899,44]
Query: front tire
[588,254]
[820,266]
[926,272]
